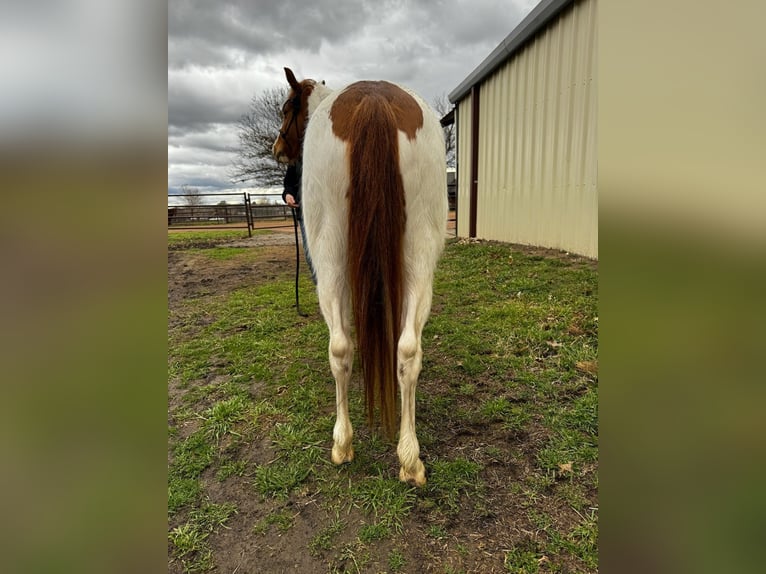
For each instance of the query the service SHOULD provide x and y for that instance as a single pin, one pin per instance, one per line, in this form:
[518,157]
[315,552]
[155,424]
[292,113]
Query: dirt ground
[187,278]
[476,540]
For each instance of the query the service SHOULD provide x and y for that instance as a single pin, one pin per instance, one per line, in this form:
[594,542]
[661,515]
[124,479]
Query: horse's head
[289,143]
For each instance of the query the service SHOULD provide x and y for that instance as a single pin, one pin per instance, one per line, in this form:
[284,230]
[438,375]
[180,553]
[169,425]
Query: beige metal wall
[463,120]
[537,141]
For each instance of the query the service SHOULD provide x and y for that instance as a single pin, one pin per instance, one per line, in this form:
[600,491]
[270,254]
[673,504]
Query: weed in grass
[210,516]
[283,520]
[264,414]
[567,446]
[192,456]
[323,539]
[182,491]
[219,420]
[353,557]
[389,499]
[231,468]
[281,477]
[495,409]
[462,549]
[371,532]
[468,389]
[581,541]
[584,413]
[307,399]
[539,483]
[542,521]
[188,538]
[396,560]
[449,479]
[573,494]
[190,546]
[493,452]
[289,437]
[516,418]
[437,532]
[522,561]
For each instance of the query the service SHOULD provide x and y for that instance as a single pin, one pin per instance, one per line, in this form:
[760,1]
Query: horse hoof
[414,478]
[340,456]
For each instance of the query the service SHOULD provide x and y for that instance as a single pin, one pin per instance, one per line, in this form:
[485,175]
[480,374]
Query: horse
[374,200]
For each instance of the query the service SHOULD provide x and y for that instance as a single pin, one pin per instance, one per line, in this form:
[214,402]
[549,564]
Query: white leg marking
[410,361]
[341,351]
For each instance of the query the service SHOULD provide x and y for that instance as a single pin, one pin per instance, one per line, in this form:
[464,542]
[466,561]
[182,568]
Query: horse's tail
[375,243]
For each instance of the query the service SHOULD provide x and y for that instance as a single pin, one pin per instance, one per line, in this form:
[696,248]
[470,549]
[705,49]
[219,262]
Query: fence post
[248,215]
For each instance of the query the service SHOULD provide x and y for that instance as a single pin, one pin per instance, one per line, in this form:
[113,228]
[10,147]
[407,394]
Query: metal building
[526,134]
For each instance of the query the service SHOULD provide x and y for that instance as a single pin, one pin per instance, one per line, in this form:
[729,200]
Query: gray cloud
[220,54]
[204,31]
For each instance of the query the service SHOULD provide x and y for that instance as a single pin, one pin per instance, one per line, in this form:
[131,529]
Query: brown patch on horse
[292,130]
[368,116]
[409,116]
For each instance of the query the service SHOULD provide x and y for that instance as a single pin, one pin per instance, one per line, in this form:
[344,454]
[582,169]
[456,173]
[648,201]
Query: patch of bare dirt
[191,275]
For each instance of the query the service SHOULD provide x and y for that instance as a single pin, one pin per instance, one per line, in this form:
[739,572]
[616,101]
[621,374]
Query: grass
[389,500]
[507,405]
[324,539]
[189,541]
[282,520]
[220,419]
[396,560]
[450,480]
[208,238]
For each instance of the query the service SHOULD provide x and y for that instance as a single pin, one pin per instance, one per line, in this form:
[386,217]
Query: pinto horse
[374,202]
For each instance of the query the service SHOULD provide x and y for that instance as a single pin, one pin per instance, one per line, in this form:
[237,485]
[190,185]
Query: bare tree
[222,211]
[257,130]
[259,126]
[442,105]
[192,198]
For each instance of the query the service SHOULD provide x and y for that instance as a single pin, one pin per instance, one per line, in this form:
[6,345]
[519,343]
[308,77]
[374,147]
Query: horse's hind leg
[410,360]
[336,310]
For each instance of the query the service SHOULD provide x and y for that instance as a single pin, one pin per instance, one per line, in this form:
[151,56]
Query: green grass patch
[182,491]
[522,561]
[396,560]
[509,381]
[450,479]
[231,468]
[219,420]
[207,238]
[388,499]
[192,456]
[281,477]
[323,540]
[375,531]
[282,520]
[437,532]
[190,540]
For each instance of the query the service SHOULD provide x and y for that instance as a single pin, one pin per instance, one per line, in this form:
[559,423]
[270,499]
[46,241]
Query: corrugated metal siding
[463,165]
[537,143]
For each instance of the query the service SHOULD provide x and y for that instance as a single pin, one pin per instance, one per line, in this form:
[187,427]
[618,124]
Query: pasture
[506,406]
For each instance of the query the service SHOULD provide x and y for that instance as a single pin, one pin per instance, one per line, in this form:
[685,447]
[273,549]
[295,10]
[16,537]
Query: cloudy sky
[221,54]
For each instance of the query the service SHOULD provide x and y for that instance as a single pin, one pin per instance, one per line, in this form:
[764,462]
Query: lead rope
[297,263]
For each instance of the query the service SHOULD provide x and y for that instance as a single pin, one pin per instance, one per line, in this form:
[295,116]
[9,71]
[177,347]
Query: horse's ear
[291,79]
